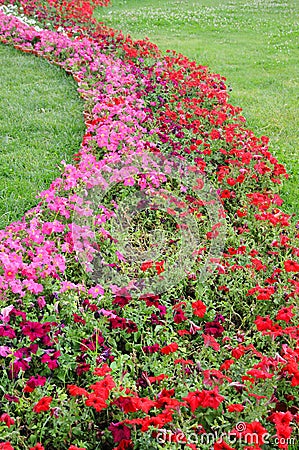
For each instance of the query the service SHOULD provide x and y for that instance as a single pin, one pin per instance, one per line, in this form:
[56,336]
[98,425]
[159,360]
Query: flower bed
[137,356]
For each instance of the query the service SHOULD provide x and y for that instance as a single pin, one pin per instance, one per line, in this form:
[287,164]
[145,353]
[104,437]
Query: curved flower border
[158,105]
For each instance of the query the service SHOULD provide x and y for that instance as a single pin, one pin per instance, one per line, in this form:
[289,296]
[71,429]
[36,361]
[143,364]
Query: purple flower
[119,431]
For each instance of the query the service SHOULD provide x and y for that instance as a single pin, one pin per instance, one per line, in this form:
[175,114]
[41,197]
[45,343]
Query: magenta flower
[119,431]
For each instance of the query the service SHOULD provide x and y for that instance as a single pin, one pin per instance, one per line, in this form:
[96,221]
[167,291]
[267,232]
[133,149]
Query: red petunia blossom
[184,362]
[6,446]
[239,351]
[212,398]
[282,422]
[125,444]
[226,193]
[253,430]
[98,403]
[158,378]
[235,407]
[157,421]
[103,387]
[76,390]
[199,308]
[194,399]
[159,267]
[179,316]
[263,293]
[102,371]
[222,445]
[259,374]
[37,446]
[146,265]
[257,264]
[252,394]
[171,348]
[291,266]
[226,364]
[79,319]
[51,359]
[128,404]
[151,348]
[43,404]
[35,330]
[263,323]
[285,314]
[183,332]
[9,421]
[250,447]
[12,398]
[74,447]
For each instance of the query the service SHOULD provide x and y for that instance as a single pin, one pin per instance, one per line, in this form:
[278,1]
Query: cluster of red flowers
[228,354]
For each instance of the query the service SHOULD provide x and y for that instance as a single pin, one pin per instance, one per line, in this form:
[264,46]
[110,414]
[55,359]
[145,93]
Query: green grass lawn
[41,123]
[253,43]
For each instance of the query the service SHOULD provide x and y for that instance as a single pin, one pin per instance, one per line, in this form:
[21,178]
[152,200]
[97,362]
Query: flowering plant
[92,363]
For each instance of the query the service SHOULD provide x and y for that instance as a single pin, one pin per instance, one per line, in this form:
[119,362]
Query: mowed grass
[253,43]
[41,124]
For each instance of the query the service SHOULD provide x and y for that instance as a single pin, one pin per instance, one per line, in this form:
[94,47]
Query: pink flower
[96,291]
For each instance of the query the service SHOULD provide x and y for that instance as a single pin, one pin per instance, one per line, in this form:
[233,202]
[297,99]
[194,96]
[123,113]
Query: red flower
[79,319]
[43,404]
[76,390]
[212,399]
[226,364]
[291,266]
[222,445]
[158,378]
[102,371]
[238,351]
[160,267]
[199,308]
[37,446]
[35,330]
[215,134]
[125,444]
[263,323]
[103,387]
[7,419]
[285,314]
[235,407]
[194,399]
[73,447]
[151,348]
[51,359]
[5,446]
[171,348]
[128,404]
[263,293]
[146,265]
[96,402]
